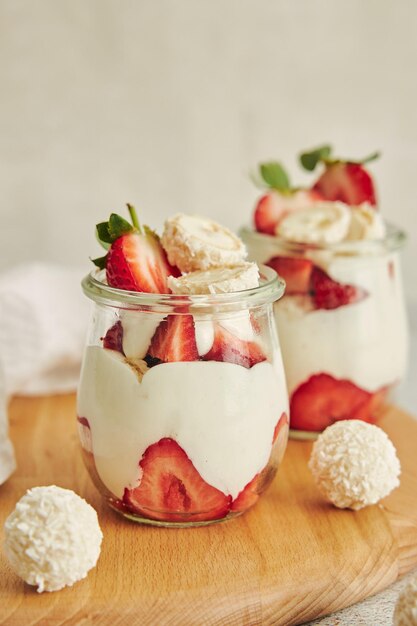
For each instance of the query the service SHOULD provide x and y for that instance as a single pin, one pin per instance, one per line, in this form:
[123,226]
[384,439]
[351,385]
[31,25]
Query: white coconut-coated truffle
[354,464]
[405,613]
[52,538]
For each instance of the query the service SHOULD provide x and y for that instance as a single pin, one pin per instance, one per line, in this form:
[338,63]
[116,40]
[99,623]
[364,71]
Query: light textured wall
[169,103]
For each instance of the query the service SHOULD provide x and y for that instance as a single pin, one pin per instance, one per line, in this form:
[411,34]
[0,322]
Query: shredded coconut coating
[405,613]
[52,538]
[354,464]
[197,243]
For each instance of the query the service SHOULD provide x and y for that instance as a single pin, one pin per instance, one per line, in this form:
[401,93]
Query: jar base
[133,517]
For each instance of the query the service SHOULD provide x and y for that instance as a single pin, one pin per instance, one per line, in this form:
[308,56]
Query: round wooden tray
[292,558]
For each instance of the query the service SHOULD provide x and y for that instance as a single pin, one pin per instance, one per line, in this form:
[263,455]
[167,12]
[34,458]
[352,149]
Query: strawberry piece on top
[135,260]
[171,489]
[227,347]
[280,198]
[113,339]
[174,340]
[343,180]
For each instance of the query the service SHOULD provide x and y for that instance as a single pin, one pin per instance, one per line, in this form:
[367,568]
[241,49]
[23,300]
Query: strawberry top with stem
[343,180]
[135,260]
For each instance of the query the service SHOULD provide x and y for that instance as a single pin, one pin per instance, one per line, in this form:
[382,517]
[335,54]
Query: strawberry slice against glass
[323,400]
[135,260]
[171,489]
[174,340]
[229,348]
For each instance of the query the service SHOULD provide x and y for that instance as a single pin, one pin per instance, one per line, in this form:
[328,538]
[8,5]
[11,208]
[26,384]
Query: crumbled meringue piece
[217,280]
[197,243]
[405,613]
[366,223]
[322,223]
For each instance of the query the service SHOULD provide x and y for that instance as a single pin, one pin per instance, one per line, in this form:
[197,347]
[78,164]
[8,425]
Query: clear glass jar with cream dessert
[182,405]
[342,321]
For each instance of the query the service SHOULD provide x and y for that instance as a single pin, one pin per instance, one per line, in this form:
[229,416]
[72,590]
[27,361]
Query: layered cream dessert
[342,322]
[182,405]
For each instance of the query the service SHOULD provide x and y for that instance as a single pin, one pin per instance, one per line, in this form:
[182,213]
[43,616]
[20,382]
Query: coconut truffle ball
[52,538]
[354,464]
[405,613]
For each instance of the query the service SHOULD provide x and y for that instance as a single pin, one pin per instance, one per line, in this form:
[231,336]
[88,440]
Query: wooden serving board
[290,559]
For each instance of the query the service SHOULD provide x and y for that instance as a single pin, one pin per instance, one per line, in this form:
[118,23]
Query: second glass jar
[342,326]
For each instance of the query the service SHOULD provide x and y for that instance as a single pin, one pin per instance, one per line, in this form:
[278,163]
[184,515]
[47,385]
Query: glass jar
[341,323]
[182,404]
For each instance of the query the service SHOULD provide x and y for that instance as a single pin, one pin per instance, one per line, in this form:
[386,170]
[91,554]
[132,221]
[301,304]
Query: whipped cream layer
[222,415]
[364,342]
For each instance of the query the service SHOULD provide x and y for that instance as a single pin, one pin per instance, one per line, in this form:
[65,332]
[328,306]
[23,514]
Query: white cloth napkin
[43,321]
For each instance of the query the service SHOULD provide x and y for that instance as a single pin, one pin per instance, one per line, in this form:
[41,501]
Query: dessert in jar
[342,322]
[182,404]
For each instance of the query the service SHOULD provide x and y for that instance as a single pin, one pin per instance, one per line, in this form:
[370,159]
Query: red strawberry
[136,260]
[113,339]
[84,433]
[171,489]
[174,340]
[346,182]
[280,439]
[251,492]
[283,421]
[330,294]
[273,206]
[323,400]
[343,180]
[248,496]
[295,271]
[227,347]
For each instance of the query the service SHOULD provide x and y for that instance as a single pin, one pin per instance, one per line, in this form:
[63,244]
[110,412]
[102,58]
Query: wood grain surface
[290,559]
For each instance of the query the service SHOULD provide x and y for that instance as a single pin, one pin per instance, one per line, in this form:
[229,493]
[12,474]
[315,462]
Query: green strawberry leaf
[309,160]
[118,226]
[274,175]
[103,233]
[100,262]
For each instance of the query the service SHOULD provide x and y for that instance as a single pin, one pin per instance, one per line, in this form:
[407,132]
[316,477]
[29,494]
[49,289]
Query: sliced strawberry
[136,261]
[113,339]
[323,400]
[283,421]
[171,489]
[227,347]
[330,294]
[248,496]
[343,180]
[84,433]
[346,182]
[273,206]
[268,212]
[280,439]
[174,340]
[295,271]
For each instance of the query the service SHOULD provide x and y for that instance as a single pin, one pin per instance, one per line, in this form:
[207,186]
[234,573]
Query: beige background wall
[169,103]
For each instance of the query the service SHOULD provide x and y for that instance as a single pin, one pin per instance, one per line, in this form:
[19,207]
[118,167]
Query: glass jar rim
[271,289]
[394,239]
